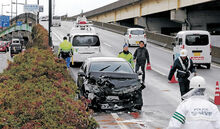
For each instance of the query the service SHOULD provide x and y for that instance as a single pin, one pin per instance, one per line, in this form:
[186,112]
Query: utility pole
[11,11]
[26,13]
[16,10]
[38,12]
[50,21]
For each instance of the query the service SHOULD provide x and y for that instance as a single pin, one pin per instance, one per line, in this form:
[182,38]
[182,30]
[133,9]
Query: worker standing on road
[196,112]
[184,66]
[141,55]
[65,51]
[125,54]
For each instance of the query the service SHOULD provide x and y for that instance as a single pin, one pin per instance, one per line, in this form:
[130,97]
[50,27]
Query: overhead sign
[19,23]
[31,8]
[4,21]
[41,8]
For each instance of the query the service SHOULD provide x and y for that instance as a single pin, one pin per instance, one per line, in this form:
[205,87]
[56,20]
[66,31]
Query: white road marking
[121,124]
[158,71]
[161,48]
[107,44]
[57,35]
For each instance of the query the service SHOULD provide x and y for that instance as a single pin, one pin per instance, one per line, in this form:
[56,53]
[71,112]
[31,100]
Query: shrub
[36,91]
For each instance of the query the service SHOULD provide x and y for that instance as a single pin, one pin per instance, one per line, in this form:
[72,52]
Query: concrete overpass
[23,31]
[162,16]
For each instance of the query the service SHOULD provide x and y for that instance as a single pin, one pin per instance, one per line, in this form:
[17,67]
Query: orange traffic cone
[135,114]
[217,94]
[148,67]
[173,80]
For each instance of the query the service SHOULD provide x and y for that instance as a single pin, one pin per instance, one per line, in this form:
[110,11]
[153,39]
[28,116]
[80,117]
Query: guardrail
[24,27]
[155,38]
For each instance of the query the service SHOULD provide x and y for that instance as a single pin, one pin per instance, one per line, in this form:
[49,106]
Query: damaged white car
[110,83]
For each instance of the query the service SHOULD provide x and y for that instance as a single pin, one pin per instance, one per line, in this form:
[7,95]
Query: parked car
[3,47]
[110,83]
[198,45]
[134,35]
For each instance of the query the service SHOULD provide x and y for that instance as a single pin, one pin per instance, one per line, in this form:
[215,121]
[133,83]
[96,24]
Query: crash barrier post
[173,80]
[217,94]
[148,66]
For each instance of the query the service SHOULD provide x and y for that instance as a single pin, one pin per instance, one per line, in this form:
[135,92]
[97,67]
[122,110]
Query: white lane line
[216,66]
[161,48]
[107,44]
[117,118]
[158,71]
[57,36]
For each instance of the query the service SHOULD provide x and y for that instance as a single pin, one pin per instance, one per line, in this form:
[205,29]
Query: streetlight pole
[50,21]
[38,12]
[26,13]
[11,11]
[16,10]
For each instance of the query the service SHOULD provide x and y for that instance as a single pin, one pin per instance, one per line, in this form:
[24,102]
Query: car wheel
[138,101]
[208,66]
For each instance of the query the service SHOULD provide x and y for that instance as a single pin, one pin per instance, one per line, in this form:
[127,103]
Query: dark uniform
[184,68]
[141,55]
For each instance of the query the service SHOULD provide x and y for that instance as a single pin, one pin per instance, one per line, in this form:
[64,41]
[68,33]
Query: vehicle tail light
[183,47]
[129,36]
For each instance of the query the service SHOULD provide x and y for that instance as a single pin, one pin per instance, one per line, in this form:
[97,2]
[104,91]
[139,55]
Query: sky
[70,7]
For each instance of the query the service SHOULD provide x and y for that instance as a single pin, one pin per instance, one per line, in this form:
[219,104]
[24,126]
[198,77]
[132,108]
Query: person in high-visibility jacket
[196,111]
[65,51]
[125,54]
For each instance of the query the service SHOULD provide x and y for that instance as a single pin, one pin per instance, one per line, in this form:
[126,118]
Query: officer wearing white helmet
[184,67]
[196,112]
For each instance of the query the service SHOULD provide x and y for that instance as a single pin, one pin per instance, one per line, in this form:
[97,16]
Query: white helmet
[183,53]
[197,82]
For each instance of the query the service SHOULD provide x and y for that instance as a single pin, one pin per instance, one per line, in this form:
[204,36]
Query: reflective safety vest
[65,46]
[195,113]
[127,57]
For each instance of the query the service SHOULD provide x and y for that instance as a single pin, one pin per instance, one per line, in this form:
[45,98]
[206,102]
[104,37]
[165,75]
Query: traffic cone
[217,94]
[173,80]
[148,67]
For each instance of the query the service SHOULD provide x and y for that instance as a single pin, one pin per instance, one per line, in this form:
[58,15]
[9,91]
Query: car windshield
[137,32]
[197,40]
[86,40]
[117,67]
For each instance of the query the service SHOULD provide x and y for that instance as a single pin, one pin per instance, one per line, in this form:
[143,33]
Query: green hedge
[36,91]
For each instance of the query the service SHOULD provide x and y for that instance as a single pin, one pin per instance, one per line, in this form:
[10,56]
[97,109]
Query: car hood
[117,80]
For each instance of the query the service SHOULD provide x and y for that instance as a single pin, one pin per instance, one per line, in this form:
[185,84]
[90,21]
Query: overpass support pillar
[180,16]
[140,21]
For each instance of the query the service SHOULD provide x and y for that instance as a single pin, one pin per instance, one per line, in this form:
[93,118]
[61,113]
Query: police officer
[184,66]
[126,55]
[196,112]
[65,51]
[141,55]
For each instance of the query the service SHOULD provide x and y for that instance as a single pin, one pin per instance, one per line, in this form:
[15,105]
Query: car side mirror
[139,73]
[82,74]
[174,44]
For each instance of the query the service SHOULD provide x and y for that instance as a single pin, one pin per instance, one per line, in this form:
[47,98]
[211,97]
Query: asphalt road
[160,97]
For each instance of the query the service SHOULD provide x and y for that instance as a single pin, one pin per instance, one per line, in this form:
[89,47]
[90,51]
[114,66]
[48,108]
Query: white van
[198,45]
[85,45]
[56,21]
[134,35]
